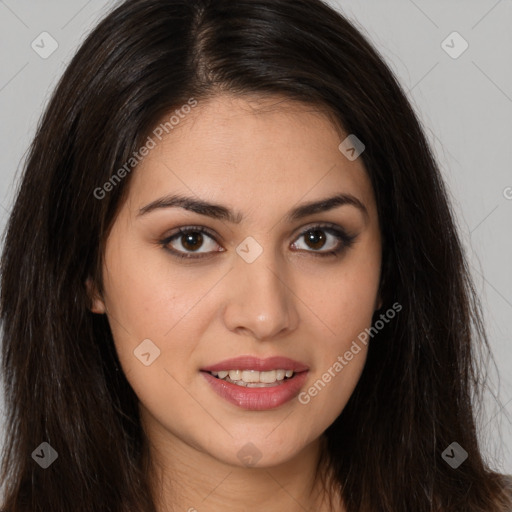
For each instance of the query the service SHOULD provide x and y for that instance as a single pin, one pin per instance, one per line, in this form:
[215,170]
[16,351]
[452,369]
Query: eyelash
[345,239]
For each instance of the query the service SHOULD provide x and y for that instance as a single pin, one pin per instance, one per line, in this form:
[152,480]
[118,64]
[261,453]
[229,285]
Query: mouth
[257,396]
[257,384]
[254,378]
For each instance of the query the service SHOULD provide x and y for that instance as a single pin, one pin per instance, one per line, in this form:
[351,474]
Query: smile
[254,378]
[257,396]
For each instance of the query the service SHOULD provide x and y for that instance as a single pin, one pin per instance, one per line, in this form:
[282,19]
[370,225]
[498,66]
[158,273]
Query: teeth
[235,375]
[253,376]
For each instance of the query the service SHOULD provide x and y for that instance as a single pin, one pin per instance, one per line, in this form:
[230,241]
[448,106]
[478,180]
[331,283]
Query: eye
[190,239]
[197,242]
[328,237]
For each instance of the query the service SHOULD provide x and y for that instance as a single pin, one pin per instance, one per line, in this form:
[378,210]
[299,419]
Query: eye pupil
[316,237]
[189,240]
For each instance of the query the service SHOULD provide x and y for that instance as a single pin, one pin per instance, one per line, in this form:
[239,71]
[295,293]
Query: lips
[260,398]
[254,363]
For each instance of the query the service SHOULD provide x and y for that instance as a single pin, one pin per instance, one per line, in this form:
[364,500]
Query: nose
[261,302]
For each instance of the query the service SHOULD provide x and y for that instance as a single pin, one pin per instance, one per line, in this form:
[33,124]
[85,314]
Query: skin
[261,157]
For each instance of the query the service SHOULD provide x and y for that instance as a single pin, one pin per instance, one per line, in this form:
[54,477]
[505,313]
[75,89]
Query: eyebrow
[217,211]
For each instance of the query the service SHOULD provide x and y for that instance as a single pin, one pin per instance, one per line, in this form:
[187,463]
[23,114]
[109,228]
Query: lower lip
[257,399]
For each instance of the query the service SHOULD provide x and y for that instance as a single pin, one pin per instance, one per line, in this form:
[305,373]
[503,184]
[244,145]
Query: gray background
[465,105]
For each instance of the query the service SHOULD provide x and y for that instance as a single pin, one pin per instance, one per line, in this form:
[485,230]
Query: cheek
[146,300]
[340,355]
[327,393]
[169,322]
[148,294]
[344,306]
[345,296]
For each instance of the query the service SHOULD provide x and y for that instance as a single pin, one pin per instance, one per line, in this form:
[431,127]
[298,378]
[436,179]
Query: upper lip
[254,363]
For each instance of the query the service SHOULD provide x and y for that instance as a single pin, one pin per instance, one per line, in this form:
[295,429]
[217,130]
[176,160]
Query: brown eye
[187,241]
[315,238]
[325,240]
[196,242]
[191,240]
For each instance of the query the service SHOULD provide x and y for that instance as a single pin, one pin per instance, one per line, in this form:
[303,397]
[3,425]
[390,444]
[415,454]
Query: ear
[97,304]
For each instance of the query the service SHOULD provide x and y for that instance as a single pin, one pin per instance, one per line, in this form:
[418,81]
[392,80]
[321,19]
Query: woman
[231,279]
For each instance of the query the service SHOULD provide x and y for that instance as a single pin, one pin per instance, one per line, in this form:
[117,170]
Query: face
[257,276]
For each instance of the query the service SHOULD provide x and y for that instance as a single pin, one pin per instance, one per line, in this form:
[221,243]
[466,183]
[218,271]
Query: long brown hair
[145,59]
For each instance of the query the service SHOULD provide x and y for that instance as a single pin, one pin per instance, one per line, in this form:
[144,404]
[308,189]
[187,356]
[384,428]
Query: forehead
[253,152]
